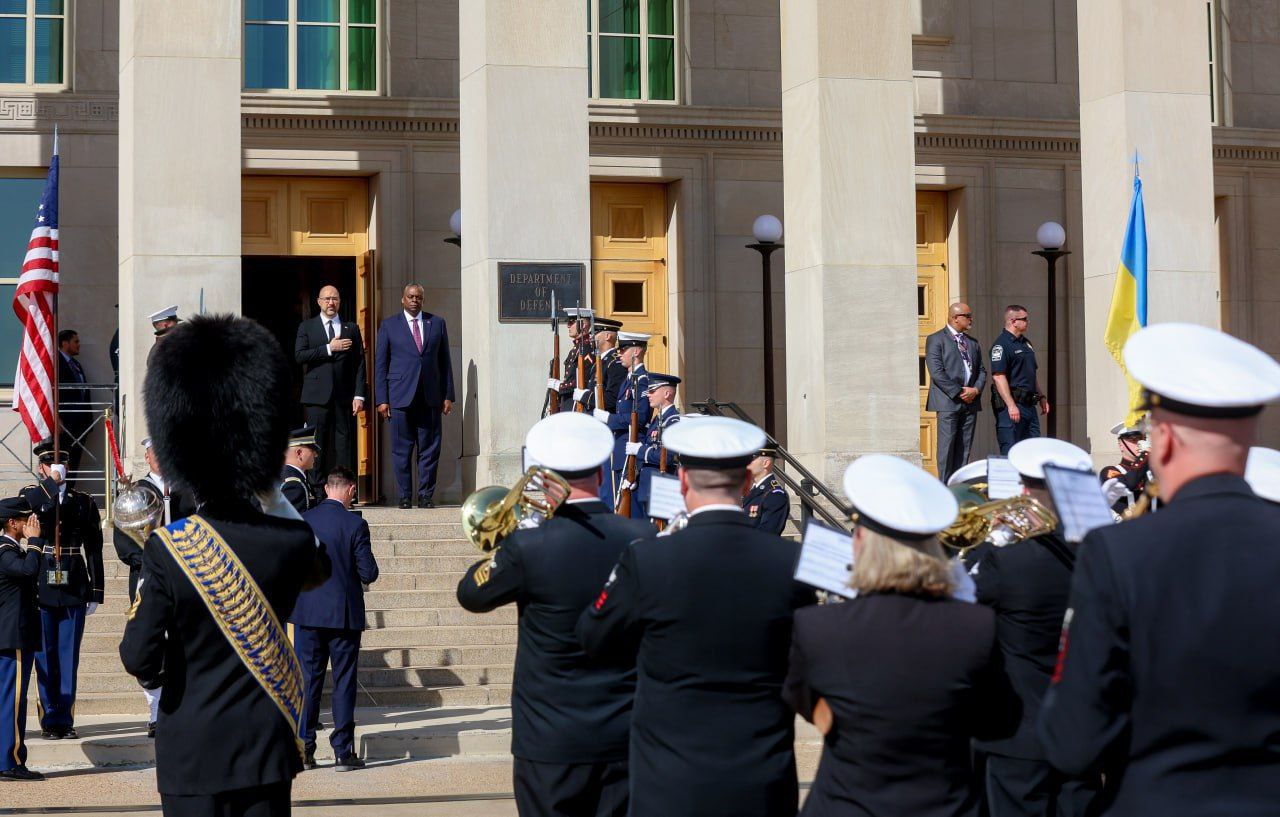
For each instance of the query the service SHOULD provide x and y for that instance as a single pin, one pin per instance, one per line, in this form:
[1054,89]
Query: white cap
[898,497]
[713,442]
[632,339]
[569,442]
[579,312]
[166,314]
[974,470]
[1190,369]
[146,442]
[1263,472]
[1030,456]
[1122,429]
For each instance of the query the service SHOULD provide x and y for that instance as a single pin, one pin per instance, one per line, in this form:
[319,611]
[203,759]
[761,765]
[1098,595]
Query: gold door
[932,300]
[629,261]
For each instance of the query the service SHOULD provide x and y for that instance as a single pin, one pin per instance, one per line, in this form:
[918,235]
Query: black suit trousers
[272,800]
[955,439]
[1019,786]
[570,789]
[336,434]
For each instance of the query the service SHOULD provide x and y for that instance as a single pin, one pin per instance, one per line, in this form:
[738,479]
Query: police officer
[71,585]
[1026,583]
[1263,473]
[650,456]
[299,459]
[570,717]
[1016,390]
[707,610]
[632,397]
[767,502]
[1167,678]
[20,560]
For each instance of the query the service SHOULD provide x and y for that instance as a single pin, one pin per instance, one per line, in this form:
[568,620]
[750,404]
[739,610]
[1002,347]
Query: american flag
[35,303]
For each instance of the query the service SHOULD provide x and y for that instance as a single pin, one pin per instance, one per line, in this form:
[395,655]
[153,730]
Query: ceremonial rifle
[598,363]
[662,469]
[553,395]
[582,359]
[629,467]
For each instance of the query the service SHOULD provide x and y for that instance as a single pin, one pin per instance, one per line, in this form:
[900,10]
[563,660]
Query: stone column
[849,191]
[526,196]
[179,189]
[1144,86]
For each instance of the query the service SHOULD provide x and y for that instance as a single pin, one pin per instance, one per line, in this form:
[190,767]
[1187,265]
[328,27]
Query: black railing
[807,488]
[82,423]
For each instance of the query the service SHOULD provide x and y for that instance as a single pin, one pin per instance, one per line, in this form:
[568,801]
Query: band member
[71,585]
[767,503]
[649,452]
[632,397]
[299,459]
[570,717]
[706,611]
[1166,681]
[1263,473]
[216,585]
[20,561]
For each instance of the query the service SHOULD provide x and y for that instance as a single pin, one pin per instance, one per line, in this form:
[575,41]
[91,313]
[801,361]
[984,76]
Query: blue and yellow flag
[1129,299]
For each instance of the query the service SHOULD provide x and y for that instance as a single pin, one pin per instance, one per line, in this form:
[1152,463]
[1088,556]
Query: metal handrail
[808,488]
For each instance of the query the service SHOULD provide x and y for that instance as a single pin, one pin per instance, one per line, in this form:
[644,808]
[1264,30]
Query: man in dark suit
[413,379]
[331,352]
[73,398]
[956,379]
[570,716]
[708,611]
[20,548]
[328,620]
[1167,677]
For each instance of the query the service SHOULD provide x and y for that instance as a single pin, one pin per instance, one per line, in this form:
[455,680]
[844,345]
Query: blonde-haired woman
[901,678]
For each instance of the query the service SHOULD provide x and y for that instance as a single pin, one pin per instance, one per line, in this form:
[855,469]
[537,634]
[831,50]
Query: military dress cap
[1263,472]
[1123,429]
[1201,372]
[713,442]
[146,442]
[14,507]
[770,451]
[1030,456]
[569,443]
[626,339]
[658,380]
[169,313]
[898,499]
[43,450]
[304,437]
[607,325]
[579,311]
[972,472]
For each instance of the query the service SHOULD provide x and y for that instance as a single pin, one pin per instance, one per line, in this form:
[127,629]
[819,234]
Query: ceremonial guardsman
[20,562]
[706,611]
[299,459]
[1263,473]
[651,456]
[1167,677]
[570,716]
[1027,583]
[1125,482]
[615,375]
[206,622]
[578,338]
[766,503]
[71,585]
[632,396]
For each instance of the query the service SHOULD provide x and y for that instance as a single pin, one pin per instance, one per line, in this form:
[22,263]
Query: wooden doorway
[933,297]
[629,261]
[320,226]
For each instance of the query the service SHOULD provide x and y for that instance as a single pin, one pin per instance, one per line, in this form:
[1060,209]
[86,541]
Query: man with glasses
[1016,390]
[956,378]
[334,382]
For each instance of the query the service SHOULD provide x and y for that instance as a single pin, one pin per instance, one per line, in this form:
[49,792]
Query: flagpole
[57,422]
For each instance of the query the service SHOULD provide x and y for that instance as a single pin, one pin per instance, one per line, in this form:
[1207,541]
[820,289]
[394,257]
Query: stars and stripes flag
[36,302]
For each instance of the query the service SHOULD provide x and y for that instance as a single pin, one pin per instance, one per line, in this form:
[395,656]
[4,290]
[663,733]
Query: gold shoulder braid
[241,610]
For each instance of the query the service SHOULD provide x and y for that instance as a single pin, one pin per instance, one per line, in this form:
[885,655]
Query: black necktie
[75,367]
[330,325]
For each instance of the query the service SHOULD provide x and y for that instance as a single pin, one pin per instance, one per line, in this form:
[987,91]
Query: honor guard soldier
[1027,583]
[608,333]
[578,340]
[206,622]
[1167,676]
[1263,473]
[299,459]
[1015,388]
[650,453]
[1123,483]
[20,564]
[570,717]
[632,397]
[164,320]
[71,585]
[707,612]
[767,502]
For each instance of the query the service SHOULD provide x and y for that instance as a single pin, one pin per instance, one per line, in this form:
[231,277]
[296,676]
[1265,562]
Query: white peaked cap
[711,442]
[898,496]
[1263,472]
[568,442]
[1192,369]
[1122,428]
[165,314]
[1030,456]
[579,312]
[974,470]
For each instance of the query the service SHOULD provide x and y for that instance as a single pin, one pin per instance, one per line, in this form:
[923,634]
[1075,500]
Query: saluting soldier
[632,394]
[20,561]
[570,717]
[206,622]
[649,451]
[299,459]
[707,612]
[1167,679]
[767,503]
[1263,473]
[71,585]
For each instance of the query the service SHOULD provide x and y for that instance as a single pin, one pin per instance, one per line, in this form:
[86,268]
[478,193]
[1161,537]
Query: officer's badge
[997,353]
[753,511]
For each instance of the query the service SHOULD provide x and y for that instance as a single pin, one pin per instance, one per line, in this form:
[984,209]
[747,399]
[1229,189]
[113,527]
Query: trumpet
[490,514]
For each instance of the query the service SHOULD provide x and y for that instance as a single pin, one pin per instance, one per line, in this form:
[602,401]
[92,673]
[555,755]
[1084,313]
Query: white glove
[625,485]
[600,414]
[553,384]
[58,471]
[964,587]
[633,449]
[580,394]
[1114,490]
[91,608]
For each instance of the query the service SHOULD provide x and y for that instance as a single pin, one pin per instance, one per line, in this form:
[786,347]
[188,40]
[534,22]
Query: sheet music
[1002,479]
[826,559]
[1078,500]
[665,500]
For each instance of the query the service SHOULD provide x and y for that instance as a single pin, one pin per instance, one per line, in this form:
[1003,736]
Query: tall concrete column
[1144,86]
[526,196]
[179,188]
[849,192]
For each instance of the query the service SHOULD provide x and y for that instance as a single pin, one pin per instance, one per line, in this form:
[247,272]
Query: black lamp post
[1051,237]
[455,224]
[768,234]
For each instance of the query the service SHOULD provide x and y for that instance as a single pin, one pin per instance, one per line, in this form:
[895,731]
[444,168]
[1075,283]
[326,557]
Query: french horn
[491,514]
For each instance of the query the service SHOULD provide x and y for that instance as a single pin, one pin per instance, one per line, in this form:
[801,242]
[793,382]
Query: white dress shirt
[968,367]
[337,330]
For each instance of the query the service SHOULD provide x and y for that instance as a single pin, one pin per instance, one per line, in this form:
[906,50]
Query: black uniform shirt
[19,614]
[80,543]
[564,707]
[1170,678]
[1015,358]
[767,504]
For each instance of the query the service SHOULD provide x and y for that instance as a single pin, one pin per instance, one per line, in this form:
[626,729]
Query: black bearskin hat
[217,400]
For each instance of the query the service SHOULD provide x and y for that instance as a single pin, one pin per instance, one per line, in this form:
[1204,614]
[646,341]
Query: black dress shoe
[151,729]
[405,504]
[70,733]
[22,773]
[309,760]
[51,734]
[426,503]
[348,762]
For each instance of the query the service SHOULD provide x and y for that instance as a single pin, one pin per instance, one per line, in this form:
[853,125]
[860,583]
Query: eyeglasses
[331,298]
[1023,319]
[968,315]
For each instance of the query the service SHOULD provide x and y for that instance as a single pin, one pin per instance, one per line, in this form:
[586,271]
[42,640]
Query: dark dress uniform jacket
[709,608]
[1027,585]
[218,729]
[19,615]
[564,707]
[295,487]
[767,505]
[128,551]
[81,543]
[1171,677]
[338,603]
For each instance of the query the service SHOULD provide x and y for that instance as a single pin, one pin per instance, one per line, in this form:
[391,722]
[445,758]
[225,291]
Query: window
[310,45]
[631,49]
[19,198]
[31,42]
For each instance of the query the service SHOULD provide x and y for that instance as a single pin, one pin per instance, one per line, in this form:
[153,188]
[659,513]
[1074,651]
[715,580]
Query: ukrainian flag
[1129,299]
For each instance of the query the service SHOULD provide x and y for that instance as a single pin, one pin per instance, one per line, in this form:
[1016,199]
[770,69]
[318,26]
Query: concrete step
[501,656]
[436,559]
[444,617]
[432,608]
[116,680]
[396,531]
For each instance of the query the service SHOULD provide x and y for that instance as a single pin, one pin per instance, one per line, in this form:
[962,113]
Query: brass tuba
[490,514]
[1001,522]
[136,511]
